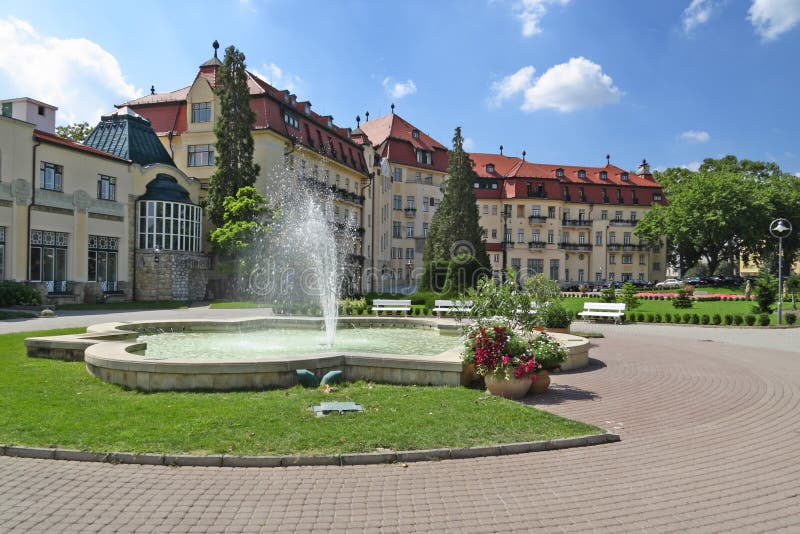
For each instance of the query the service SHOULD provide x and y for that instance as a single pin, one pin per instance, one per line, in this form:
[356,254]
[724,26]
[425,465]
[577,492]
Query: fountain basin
[113,354]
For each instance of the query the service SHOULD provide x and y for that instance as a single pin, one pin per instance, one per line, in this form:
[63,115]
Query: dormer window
[423,156]
[291,120]
[624,176]
[581,174]
[559,173]
[490,168]
[603,175]
[415,134]
[330,122]
[308,108]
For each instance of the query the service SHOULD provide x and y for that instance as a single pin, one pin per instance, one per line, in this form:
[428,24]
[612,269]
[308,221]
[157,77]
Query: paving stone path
[710,426]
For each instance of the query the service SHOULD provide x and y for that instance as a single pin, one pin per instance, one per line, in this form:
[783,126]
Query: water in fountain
[301,263]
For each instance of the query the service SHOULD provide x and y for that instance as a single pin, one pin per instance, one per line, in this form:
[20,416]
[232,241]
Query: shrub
[695,319]
[728,319]
[763,319]
[667,317]
[750,320]
[716,319]
[554,315]
[657,318]
[705,319]
[682,301]
[629,296]
[18,294]
[640,317]
[650,318]
[766,293]
[687,318]
[738,319]
[790,318]
[676,318]
[609,294]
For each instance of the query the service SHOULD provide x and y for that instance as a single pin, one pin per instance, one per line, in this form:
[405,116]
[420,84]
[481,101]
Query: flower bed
[702,296]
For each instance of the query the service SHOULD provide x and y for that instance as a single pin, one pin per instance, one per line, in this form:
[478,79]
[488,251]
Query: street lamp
[156,261]
[506,239]
[409,268]
[780,228]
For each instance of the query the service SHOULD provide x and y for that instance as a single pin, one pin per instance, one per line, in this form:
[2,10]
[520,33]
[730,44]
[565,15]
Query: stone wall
[171,275]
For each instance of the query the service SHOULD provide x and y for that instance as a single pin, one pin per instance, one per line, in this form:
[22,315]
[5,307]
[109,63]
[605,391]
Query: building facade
[409,168]
[68,211]
[573,224]
[288,136]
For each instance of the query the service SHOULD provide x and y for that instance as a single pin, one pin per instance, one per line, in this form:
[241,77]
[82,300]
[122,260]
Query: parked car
[668,283]
[696,281]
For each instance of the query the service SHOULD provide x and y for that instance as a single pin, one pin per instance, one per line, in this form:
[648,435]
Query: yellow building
[68,218]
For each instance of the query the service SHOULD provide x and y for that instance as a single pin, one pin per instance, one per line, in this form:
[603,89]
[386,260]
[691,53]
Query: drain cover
[325,408]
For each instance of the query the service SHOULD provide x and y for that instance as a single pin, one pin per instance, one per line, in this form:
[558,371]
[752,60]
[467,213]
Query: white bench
[385,305]
[452,306]
[603,310]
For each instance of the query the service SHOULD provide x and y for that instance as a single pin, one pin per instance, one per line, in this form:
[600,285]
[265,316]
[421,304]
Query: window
[490,168]
[617,216]
[494,209]
[425,227]
[598,277]
[410,229]
[598,239]
[429,179]
[550,237]
[566,274]
[656,266]
[170,226]
[581,174]
[624,176]
[580,275]
[626,238]
[627,259]
[559,173]
[201,112]
[604,215]
[581,238]
[485,209]
[633,216]
[409,253]
[516,264]
[603,175]
[612,259]
[626,277]
[397,202]
[494,233]
[554,268]
[396,229]
[520,236]
[496,258]
[612,238]
[417,177]
[291,119]
[48,256]
[536,236]
[393,254]
[423,156]
[641,259]
[535,266]
[656,197]
[425,204]
[536,211]
[565,237]
[201,155]
[107,187]
[41,110]
[50,176]
[103,260]
[415,134]
[398,174]
[410,203]
[566,214]
[551,212]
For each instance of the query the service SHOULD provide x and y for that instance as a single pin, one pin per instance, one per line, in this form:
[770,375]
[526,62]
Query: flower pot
[542,382]
[513,388]
[468,374]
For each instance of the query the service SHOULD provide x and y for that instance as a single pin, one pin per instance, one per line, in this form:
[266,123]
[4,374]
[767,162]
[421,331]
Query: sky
[566,81]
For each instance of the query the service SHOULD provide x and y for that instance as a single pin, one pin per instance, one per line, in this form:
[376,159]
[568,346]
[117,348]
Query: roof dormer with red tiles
[402,143]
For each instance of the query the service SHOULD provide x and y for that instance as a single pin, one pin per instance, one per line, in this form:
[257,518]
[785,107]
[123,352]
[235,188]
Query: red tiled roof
[268,104]
[493,247]
[56,140]
[393,136]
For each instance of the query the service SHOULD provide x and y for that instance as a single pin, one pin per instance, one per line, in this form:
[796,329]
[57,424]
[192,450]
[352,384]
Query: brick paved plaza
[710,426]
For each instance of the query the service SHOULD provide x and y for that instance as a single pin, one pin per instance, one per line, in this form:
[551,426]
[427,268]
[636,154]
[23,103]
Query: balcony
[507,244]
[623,222]
[575,246]
[537,219]
[536,244]
[576,222]
[624,247]
[537,194]
[352,231]
[410,212]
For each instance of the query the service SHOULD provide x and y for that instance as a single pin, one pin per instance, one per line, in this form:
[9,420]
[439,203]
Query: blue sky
[568,81]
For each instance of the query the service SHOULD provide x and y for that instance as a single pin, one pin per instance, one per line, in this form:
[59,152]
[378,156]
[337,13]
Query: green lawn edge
[51,403]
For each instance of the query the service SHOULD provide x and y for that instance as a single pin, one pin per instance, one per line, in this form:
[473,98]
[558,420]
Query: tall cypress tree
[233,128]
[455,228]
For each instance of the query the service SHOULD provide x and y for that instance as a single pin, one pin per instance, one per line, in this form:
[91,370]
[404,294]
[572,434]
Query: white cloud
[698,12]
[77,75]
[279,79]
[692,166]
[531,13]
[571,86]
[771,18]
[399,89]
[469,144]
[694,136]
[512,84]
[797,174]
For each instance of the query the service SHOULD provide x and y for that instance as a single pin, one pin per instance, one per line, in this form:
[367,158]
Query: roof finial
[152,89]
[367,116]
[608,159]
[523,155]
[392,106]
[501,150]
[358,121]
[215,44]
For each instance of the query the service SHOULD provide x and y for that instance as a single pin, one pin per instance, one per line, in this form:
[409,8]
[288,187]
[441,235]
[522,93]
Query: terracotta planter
[542,382]
[468,374]
[514,388]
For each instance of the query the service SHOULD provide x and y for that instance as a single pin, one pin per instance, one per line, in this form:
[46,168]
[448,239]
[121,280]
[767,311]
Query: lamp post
[780,228]
[156,261]
[409,268]
[506,215]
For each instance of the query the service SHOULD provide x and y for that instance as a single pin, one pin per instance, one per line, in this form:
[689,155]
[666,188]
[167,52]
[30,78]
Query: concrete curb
[369,458]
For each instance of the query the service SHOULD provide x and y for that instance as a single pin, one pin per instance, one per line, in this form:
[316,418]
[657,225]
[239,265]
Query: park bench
[603,310]
[444,307]
[385,305]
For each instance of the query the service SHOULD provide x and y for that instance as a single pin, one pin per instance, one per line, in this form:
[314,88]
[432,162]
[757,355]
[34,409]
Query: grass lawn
[48,403]
[230,305]
[136,305]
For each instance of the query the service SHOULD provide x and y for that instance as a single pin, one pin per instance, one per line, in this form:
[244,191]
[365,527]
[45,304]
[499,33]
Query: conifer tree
[233,128]
[455,229]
